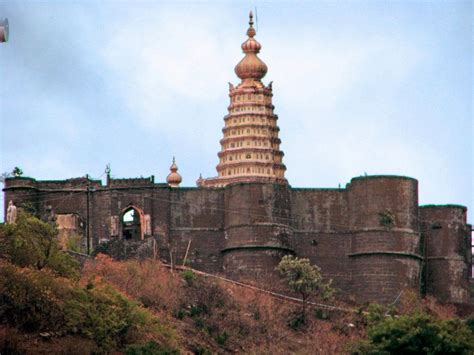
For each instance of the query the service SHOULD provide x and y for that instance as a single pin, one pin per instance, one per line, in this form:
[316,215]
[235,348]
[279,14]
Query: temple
[250,148]
[371,237]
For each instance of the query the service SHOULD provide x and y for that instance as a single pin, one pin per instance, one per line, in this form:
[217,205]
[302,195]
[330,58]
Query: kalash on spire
[250,149]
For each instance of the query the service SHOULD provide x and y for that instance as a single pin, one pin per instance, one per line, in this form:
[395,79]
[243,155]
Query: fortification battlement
[371,237]
[132,182]
[72,183]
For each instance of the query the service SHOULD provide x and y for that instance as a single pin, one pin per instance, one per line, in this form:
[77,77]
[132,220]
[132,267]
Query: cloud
[356,89]
[160,66]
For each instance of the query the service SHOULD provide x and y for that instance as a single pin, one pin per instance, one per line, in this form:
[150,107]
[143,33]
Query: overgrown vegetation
[387,219]
[40,291]
[144,307]
[306,280]
[35,300]
[33,243]
[413,327]
[417,333]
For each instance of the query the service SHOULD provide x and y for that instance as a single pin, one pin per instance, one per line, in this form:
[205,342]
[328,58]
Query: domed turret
[251,66]
[174,179]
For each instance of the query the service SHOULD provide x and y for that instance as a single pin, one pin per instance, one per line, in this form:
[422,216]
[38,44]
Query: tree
[17,172]
[417,334]
[304,279]
[31,242]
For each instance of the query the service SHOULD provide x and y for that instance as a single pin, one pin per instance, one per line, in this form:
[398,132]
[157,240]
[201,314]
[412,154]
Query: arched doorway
[132,224]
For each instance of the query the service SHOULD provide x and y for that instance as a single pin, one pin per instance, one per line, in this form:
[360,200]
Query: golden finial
[251,31]
[174,179]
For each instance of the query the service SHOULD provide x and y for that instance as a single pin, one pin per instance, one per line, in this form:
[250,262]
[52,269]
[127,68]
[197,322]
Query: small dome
[251,45]
[251,66]
[174,179]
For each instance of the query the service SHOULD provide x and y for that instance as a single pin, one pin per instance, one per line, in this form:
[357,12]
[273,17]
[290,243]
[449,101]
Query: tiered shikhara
[250,149]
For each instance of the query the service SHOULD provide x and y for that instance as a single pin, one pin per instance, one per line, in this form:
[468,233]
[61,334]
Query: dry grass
[207,315]
[220,317]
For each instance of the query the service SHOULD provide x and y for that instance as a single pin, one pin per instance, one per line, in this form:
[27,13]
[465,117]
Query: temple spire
[250,148]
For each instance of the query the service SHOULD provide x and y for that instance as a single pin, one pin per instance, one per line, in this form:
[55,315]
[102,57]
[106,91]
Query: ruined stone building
[371,237]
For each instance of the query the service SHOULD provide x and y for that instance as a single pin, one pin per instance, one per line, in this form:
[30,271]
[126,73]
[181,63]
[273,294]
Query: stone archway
[132,223]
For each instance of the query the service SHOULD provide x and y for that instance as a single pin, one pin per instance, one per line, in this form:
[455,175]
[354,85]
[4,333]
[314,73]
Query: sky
[360,87]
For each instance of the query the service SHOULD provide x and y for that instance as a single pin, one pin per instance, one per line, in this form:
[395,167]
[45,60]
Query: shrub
[222,338]
[470,323]
[304,279]
[37,300]
[417,334]
[321,314]
[189,277]
[32,300]
[296,320]
[102,248]
[203,297]
[31,242]
[103,314]
[74,242]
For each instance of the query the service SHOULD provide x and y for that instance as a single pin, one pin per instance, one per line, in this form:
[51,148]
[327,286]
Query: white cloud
[161,66]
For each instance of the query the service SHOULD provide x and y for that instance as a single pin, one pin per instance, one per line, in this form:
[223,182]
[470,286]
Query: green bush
[104,315]
[31,242]
[32,300]
[189,277]
[40,301]
[321,314]
[222,338]
[296,320]
[417,334]
[103,248]
[304,279]
[74,243]
[202,297]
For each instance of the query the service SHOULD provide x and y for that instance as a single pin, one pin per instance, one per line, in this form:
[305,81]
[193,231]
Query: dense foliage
[31,242]
[37,300]
[416,333]
[40,292]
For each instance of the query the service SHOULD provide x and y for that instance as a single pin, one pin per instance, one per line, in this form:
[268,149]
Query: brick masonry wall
[322,233]
[447,246]
[257,229]
[244,229]
[384,253]
[196,216]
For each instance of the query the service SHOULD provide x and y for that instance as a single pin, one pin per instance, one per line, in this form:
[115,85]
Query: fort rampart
[371,237]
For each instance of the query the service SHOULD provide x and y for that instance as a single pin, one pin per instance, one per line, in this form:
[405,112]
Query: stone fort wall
[370,237]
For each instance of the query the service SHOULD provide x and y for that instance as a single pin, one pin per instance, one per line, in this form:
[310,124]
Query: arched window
[131,224]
